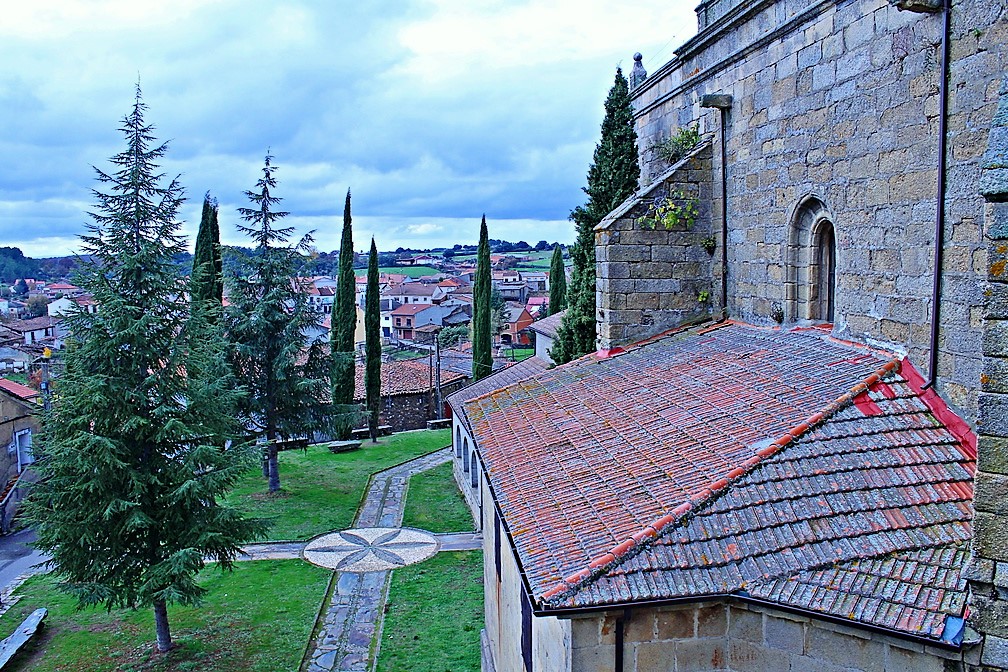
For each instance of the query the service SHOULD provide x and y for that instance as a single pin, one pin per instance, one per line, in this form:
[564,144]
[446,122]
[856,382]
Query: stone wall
[744,638]
[988,568]
[839,100]
[412,411]
[649,278]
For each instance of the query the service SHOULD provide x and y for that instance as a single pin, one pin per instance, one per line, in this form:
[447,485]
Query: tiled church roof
[735,461]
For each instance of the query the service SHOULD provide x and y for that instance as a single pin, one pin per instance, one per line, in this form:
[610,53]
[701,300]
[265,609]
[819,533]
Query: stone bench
[343,446]
[443,423]
[364,433]
[10,646]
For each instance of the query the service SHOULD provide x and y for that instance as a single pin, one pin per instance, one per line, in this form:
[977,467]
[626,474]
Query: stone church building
[790,451]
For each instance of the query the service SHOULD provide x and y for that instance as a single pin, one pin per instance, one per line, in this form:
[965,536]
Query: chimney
[987,571]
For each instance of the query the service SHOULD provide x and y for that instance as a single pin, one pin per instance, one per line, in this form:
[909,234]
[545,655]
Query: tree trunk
[373,426]
[274,469]
[164,640]
[265,462]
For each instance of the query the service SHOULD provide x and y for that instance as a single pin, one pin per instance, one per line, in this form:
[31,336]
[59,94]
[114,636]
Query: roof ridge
[601,564]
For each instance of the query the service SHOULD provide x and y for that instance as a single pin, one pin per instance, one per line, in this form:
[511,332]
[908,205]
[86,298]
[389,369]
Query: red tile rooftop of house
[409,376]
[18,390]
[734,460]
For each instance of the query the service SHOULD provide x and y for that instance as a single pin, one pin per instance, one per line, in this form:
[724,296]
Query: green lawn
[517,354]
[434,503]
[434,616]
[256,618]
[320,491]
[411,271]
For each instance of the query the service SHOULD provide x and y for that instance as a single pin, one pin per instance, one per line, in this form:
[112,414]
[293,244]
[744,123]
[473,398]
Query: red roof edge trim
[606,353]
[679,515]
[959,427]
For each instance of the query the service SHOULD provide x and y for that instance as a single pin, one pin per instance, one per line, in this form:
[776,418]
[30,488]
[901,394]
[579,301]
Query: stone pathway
[365,557]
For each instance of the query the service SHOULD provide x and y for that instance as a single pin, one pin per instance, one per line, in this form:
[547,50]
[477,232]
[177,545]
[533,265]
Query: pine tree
[344,323]
[373,346]
[207,283]
[285,376]
[612,178]
[558,282]
[132,462]
[482,338]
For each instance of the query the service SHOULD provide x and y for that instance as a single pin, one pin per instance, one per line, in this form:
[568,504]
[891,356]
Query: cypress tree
[558,282]
[207,283]
[344,323]
[372,347]
[286,377]
[482,344]
[132,462]
[612,178]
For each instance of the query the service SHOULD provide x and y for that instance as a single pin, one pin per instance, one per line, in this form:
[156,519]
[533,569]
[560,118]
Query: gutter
[939,235]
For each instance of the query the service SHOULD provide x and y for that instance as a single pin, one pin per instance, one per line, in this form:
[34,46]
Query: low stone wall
[412,411]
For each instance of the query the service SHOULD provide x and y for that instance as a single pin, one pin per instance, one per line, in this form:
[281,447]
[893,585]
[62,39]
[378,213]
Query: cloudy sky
[431,111]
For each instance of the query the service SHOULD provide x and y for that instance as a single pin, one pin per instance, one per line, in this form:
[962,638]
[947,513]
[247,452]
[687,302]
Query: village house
[18,426]
[817,482]
[514,327]
[32,330]
[409,393]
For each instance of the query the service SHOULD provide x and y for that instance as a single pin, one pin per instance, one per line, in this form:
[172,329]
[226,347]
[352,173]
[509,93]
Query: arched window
[465,455]
[811,263]
[458,442]
[474,472]
[822,294]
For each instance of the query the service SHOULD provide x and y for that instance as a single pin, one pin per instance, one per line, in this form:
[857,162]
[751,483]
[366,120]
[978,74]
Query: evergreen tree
[344,323]
[612,178]
[268,319]
[132,462]
[482,338]
[558,282]
[207,283]
[373,346]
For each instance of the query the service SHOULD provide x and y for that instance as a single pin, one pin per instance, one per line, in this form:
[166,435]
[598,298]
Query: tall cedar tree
[482,343]
[372,343]
[132,462]
[268,320]
[558,282]
[344,323]
[612,178]
[207,281]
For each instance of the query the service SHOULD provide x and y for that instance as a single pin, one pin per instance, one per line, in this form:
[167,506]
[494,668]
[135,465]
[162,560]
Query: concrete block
[903,660]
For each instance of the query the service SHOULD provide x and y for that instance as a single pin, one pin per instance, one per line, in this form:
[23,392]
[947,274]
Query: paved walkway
[354,615]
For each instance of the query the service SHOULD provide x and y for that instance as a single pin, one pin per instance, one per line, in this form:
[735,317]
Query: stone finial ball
[637,57]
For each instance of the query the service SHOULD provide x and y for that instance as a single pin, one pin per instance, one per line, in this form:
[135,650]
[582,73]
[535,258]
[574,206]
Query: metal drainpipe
[939,237]
[723,102]
[619,634]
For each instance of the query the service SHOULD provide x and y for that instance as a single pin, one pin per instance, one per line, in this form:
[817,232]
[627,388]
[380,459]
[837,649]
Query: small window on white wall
[23,439]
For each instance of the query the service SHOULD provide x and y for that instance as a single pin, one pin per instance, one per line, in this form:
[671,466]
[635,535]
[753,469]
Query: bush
[678,144]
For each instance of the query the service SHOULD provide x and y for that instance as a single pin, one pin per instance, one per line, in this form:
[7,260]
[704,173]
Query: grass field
[411,271]
[257,618]
[434,616]
[434,503]
[319,491]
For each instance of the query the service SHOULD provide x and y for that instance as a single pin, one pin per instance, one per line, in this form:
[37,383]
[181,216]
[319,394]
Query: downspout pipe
[620,635]
[723,102]
[939,236]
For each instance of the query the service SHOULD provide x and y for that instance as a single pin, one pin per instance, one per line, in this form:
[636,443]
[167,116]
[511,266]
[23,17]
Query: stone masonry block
[593,659]
[747,657]
[584,632]
[698,655]
[630,253]
[652,269]
[992,415]
[997,227]
[990,616]
[712,621]
[996,301]
[995,338]
[997,261]
[676,624]
[990,536]
[640,627]
[902,660]
[784,635]
[995,652]
[839,648]
[745,625]
[654,656]
[990,493]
